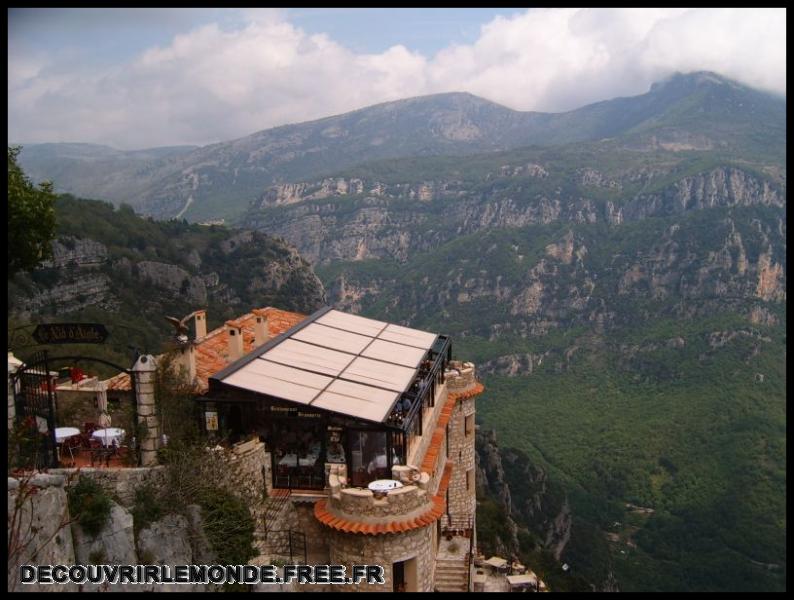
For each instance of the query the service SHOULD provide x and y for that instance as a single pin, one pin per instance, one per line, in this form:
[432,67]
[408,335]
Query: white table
[64,433]
[384,485]
[109,435]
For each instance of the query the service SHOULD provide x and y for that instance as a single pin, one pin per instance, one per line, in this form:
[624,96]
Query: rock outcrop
[380,225]
[535,505]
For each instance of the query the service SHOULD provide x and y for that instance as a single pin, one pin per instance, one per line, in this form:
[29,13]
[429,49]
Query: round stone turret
[384,528]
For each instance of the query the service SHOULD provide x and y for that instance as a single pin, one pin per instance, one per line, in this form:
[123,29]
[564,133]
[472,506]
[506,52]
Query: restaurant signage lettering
[294,412]
[70,333]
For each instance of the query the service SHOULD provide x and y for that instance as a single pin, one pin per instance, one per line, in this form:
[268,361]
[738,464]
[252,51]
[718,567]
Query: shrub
[147,508]
[90,505]
[228,525]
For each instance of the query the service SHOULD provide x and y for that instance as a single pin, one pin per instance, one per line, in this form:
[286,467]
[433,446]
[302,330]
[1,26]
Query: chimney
[200,320]
[235,333]
[186,361]
[261,328]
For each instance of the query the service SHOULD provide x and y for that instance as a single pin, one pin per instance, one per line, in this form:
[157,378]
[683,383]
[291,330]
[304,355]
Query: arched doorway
[33,386]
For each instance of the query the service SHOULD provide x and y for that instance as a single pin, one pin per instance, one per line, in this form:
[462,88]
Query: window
[469,479]
[368,456]
[469,424]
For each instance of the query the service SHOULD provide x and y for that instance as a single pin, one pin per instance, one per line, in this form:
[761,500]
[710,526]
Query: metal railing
[287,542]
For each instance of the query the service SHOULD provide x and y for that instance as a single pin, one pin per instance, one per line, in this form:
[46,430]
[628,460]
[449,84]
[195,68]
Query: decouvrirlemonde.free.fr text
[200,574]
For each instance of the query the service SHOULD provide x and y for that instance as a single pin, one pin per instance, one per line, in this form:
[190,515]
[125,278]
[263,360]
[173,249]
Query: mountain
[624,299]
[220,180]
[92,170]
[641,364]
[618,274]
[113,267]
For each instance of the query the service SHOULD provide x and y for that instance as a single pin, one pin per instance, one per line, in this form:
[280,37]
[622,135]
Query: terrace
[336,389]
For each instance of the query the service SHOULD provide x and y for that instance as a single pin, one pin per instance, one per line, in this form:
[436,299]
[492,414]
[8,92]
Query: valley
[617,273]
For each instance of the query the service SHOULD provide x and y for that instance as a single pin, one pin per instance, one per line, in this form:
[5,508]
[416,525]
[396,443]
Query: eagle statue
[181,328]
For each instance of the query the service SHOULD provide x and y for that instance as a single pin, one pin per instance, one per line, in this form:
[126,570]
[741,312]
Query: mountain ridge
[221,179]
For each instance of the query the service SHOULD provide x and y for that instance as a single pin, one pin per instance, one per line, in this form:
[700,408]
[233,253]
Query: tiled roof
[397,526]
[120,382]
[429,462]
[476,389]
[212,352]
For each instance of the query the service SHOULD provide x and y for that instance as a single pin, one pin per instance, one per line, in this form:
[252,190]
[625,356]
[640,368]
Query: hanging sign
[70,333]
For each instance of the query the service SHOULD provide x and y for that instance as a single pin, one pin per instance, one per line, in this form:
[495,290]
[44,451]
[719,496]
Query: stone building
[368,432]
[359,434]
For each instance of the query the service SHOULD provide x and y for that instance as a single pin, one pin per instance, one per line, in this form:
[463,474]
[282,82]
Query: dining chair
[72,445]
[95,447]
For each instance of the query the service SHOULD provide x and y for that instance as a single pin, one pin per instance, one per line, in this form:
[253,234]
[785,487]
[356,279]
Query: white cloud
[215,84]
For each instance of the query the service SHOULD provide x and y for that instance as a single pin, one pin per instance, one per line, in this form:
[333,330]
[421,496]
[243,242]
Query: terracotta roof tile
[212,351]
[437,510]
[478,388]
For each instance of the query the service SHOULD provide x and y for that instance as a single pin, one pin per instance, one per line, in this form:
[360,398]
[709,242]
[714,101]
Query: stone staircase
[271,518]
[274,506]
[452,574]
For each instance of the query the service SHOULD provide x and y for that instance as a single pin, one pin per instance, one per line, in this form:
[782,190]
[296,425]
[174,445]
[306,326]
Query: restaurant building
[368,432]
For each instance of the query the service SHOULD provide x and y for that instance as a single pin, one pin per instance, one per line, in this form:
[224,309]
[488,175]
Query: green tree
[31,218]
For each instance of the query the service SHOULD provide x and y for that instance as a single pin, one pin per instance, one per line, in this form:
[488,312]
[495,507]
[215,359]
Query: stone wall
[417,453]
[75,407]
[316,533]
[356,549]
[120,483]
[249,474]
[459,375]
[462,499]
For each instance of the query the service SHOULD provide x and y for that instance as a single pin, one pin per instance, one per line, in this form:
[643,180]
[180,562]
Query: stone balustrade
[357,503]
[460,375]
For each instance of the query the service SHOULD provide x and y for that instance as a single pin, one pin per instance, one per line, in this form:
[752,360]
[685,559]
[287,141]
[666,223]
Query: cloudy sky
[138,78]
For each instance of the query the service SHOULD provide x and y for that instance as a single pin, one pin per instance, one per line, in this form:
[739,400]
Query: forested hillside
[625,302]
[114,267]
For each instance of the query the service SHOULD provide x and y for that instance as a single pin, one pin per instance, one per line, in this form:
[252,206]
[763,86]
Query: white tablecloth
[384,485]
[63,433]
[109,435]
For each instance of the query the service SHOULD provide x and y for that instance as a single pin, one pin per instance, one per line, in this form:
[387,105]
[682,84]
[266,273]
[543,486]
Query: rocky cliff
[356,219]
[536,506]
[116,267]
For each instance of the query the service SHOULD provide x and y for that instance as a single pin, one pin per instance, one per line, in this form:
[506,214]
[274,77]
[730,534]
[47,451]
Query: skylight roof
[338,362]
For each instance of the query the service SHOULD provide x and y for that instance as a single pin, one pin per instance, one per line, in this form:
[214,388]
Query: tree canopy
[31,218]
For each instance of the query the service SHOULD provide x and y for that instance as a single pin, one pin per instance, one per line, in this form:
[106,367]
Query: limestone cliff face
[73,292]
[692,269]
[173,279]
[69,250]
[718,187]
[523,490]
[244,270]
[381,225]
